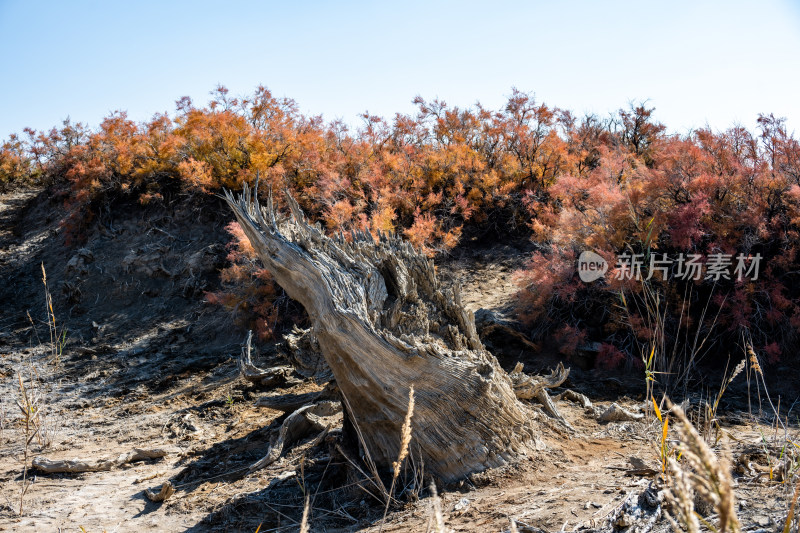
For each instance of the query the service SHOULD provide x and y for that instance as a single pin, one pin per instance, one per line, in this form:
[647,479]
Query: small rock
[462,504]
[615,413]
[761,520]
[623,520]
[166,491]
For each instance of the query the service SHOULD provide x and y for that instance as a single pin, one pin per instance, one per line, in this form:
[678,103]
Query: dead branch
[535,387]
[75,466]
[277,375]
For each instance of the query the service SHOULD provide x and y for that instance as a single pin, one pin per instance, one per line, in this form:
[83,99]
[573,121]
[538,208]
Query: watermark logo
[713,267]
[591,266]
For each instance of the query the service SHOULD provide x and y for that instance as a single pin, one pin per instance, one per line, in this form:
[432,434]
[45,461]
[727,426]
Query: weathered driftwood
[384,322]
[166,491]
[527,387]
[615,413]
[576,397]
[278,375]
[74,466]
[535,387]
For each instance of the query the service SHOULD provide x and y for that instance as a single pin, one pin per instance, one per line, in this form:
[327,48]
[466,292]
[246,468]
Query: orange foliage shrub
[613,186]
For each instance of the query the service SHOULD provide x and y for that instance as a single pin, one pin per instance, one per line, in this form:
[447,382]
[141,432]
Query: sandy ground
[576,482]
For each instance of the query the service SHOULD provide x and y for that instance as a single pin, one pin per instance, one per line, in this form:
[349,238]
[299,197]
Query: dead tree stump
[384,322]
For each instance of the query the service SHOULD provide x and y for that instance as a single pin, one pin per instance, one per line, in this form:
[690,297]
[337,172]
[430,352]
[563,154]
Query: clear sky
[697,62]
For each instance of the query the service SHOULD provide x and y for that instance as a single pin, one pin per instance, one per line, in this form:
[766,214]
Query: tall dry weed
[405,441]
[702,474]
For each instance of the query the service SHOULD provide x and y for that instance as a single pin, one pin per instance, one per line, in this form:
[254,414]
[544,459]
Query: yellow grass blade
[658,411]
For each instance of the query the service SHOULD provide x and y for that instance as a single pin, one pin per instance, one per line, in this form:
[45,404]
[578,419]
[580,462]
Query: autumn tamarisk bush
[248,291]
[649,193]
[446,175]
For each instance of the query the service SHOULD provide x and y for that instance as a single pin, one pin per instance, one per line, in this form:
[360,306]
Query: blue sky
[697,62]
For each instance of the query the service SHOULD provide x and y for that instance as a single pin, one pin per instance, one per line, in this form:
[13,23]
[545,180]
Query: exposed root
[615,413]
[527,387]
[551,410]
[301,423]
[576,397]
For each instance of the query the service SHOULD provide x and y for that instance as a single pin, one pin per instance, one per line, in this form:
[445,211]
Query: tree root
[576,397]
[299,424]
[615,413]
[527,387]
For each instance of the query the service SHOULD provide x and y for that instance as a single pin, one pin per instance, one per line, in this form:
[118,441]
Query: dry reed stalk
[703,474]
[306,512]
[405,440]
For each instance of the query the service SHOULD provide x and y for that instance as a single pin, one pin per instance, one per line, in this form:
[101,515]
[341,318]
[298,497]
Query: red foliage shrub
[651,194]
[569,338]
[609,357]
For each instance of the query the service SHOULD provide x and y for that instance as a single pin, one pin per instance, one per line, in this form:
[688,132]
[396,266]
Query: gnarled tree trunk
[384,323]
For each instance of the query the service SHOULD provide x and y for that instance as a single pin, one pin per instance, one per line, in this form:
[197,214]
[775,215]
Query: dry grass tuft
[405,440]
[306,512]
[32,428]
[711,422]
[406,435]
[58,336]
[702,473]
[753,359]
